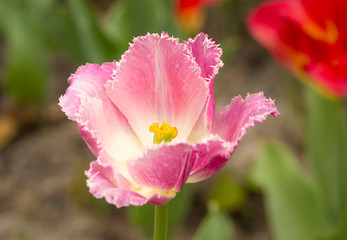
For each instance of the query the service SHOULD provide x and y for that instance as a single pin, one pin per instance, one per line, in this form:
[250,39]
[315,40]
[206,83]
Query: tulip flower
[191,13]
[308,37]
[150,119]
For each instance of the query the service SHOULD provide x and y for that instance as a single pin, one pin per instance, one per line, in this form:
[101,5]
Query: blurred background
[43,194]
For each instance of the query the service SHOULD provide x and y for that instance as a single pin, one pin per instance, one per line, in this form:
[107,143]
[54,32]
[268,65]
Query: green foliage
[96,47]
[34,29]
[129,18]
[229,194]
[327,152]
[61,33]
[309,205]
[294,210]
[215,225]
[143,218]
[26,65]
[230,45]
[340,230]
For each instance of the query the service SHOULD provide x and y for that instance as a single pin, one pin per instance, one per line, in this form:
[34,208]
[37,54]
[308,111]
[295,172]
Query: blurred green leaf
[327,151]
[143,217]
[95,45]
[339,232]
[292,205]
[26,65]
[179,207]
[61,32]
[228,194]
[215,225]
[230,45]
[131,18]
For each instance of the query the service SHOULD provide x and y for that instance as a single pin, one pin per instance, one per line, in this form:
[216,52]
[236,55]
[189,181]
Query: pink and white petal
[91,139]
[208,56]
[163,167]
[205,122]
[88,81]
[211,155]
[105,182]
[115,137]
[234,119]
[110,68]
[156,81]
[100,123]
[124,198]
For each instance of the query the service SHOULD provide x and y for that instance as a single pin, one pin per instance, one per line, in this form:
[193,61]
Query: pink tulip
[150,119]
[308,37]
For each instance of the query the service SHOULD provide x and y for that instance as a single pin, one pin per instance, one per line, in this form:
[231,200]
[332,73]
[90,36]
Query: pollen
[163,133]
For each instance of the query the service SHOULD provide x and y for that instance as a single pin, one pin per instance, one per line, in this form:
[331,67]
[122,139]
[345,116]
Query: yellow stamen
[164,132]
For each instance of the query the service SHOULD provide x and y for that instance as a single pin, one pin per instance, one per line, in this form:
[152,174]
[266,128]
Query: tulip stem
[160,222]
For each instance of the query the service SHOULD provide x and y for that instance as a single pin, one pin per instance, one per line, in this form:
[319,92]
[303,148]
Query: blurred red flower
[307,36]
[191,13]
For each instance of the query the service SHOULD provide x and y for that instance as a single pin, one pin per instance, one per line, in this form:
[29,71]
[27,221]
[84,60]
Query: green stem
[160,222]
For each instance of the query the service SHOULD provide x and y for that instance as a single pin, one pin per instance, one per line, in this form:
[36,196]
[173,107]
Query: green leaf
[26,58]
[229,194]
[327,151]
[61,33]
[292,205]
[215,225]
[131,18]
[230,45]
[339,232]
[143,216]
[96,47]
[179,207]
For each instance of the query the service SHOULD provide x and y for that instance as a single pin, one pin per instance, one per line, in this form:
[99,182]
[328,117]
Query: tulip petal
[116,139]
[234,119]
[101,124]
[211,154]
[208,56]
[333,12]
[163,167]
[278,26]
[106,182]
[307,38]
[331,79]
[230,126]
[157,81]
[160,199]
[88,81]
